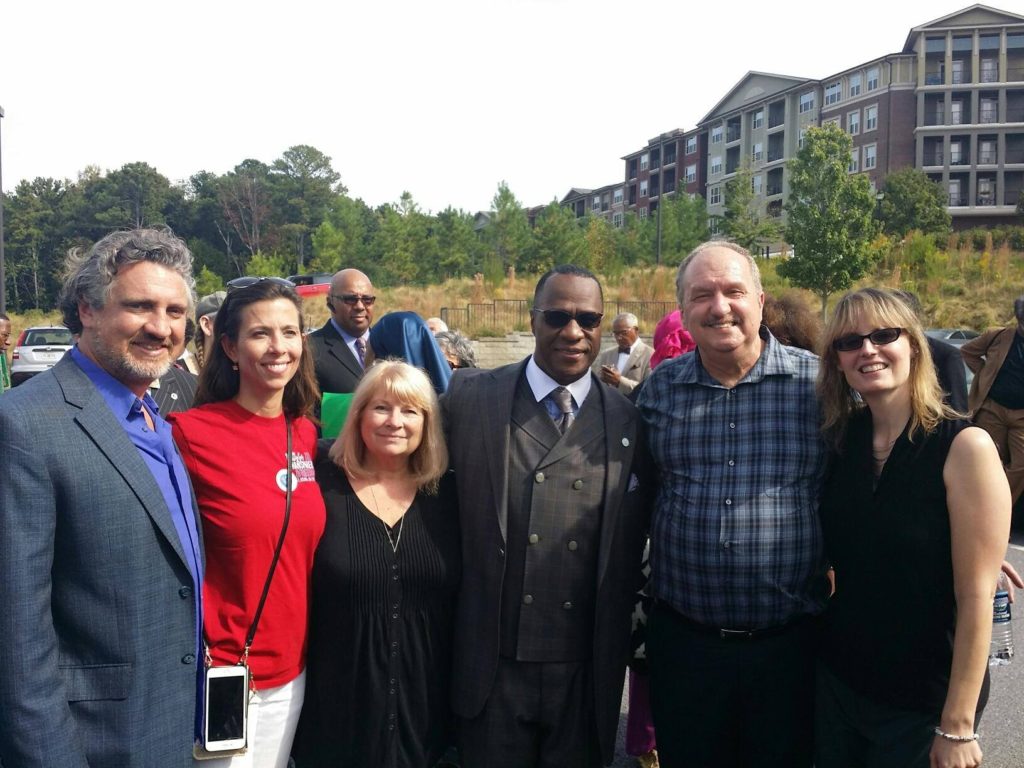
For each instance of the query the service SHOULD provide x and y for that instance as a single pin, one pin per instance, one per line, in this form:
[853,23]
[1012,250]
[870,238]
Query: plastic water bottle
[1001,650]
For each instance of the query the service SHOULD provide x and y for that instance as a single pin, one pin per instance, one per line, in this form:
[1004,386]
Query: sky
[442,98]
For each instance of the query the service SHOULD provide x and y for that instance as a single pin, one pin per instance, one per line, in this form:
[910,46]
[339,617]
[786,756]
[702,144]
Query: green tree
[268,265]
[600,252]
[459,249]
[910,200]
[34,241]
[208,281]
[743,221]
[341,240]
[684,226]
[829,216]
[509,232]
[407,251]
[245,199]
[303,186]
[557,239]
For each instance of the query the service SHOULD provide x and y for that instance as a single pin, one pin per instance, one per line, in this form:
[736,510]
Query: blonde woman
[916,514]
[384,583]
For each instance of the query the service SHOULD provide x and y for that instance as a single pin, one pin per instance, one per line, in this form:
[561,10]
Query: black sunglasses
[879,336]
[354,298]
[559,318]
[248,281]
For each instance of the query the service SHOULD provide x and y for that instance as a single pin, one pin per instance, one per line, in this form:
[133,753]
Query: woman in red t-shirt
[257,385]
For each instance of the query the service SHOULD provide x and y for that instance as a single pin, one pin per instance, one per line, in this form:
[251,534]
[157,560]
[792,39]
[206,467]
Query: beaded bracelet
[954,737]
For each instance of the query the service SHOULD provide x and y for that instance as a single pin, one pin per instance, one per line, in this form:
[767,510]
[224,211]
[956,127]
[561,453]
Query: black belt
[732,634]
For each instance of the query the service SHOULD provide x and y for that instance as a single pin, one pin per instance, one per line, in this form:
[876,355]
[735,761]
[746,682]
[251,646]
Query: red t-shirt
[237,462]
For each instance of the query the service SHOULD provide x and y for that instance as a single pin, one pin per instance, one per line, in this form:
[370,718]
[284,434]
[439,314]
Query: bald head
[351,301]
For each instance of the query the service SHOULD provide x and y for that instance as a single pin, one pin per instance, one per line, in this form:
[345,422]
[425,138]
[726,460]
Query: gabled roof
[574,193]
[751,88]
[976,15]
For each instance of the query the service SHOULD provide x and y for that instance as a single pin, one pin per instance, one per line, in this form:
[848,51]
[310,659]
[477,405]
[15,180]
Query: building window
[806,102]
[989,70]
[643,188]
[617,220]
[756,184]
[691,145]
[833,92]
[716,164]
[955,153]
[715,196]
[617,196]
[691,174]
[854,85]
[716,134]
[800,138]
[645,162]
[987,152]
[871,117]
[989,110]
[595,204]
[853,122]
[873,79]
[870,157]
[854,165]
[642,212]
[956,113]
[757,153]
[757,120]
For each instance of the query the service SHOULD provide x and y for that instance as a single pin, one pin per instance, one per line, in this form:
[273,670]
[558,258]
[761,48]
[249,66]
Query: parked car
[37,349]
[955,336]
[316,284]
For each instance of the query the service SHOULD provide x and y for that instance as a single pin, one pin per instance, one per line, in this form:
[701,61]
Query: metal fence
[508,315]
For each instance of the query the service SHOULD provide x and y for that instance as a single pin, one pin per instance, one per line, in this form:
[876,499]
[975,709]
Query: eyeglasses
[354,298]
[559,318]
[878,337]
[248,281]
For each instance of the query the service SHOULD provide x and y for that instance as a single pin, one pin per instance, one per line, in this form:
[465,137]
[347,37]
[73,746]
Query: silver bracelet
[954,737]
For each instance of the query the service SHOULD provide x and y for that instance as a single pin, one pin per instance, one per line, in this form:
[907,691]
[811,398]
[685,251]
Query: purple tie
[361,352]
[562,397]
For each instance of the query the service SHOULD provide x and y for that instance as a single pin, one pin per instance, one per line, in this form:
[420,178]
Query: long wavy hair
[880,309]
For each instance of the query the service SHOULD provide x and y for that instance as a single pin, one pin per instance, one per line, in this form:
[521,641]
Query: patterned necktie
[361,352]
[562,397]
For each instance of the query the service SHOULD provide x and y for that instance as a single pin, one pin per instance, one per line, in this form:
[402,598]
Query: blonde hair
[410,386]
[880,309]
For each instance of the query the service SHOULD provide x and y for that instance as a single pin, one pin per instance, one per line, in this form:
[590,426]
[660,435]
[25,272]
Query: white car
[37,349]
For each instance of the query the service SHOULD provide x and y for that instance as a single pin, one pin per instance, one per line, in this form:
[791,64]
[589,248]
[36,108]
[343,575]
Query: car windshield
[55,336]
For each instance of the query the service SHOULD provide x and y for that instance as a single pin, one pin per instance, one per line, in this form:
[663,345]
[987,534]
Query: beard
[120,364]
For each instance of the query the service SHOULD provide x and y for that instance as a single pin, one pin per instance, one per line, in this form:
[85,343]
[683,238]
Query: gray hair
[627,317]
[458,346]
[89,275]
[704,248]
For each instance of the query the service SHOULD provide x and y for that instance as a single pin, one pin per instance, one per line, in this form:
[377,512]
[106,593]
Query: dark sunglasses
[559,318]
[248,281]
[879,336]
[354,298]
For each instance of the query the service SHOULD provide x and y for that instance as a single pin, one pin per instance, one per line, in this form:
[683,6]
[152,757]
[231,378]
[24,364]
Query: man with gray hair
[628,363]
[996,399]
[100,615]
[738,568]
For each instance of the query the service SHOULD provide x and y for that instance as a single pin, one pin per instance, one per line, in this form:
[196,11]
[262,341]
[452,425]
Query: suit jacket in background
[337,369]
[97,618]
[638,365]
[175,391]
[478,411]
[949,366]
[985,355]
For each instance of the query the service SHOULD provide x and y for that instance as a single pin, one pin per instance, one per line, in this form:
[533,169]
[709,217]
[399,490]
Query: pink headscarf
[671,339]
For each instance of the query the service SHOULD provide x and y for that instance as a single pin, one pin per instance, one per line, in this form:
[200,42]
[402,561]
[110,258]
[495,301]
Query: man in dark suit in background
[102,564]
[949,365]
[175,391]
[553,522]
[339,346]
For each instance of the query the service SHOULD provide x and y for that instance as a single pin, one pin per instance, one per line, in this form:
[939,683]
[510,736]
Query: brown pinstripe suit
[478,412]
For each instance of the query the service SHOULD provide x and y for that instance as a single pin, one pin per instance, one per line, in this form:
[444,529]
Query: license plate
[48,357]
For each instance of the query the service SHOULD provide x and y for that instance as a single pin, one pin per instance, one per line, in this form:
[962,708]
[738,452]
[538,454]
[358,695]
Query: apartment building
[608,202]
[951,103]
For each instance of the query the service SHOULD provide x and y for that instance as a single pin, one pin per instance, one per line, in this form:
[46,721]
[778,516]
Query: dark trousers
[731,702]
[853,731]
[538,714]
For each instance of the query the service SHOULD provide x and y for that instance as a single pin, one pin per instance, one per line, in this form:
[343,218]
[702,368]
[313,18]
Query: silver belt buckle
[727,634]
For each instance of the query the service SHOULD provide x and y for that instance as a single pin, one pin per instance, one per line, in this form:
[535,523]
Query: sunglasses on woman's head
[245,282]
[558,318]
[878,337]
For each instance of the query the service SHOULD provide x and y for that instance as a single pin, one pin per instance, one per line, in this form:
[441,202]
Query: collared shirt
[157,449]
[542,385]
[350,340]
[735,540]
[624,356]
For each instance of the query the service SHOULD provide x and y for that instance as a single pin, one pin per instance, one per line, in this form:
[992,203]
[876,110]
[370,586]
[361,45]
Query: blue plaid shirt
[736,540]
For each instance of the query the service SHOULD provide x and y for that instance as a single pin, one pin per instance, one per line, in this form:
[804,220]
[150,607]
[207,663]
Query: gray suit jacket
[478,412]
[638,365]
[97,616]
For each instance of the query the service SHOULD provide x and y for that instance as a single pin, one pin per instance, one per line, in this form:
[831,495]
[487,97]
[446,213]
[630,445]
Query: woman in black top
[915,512]
[384,583]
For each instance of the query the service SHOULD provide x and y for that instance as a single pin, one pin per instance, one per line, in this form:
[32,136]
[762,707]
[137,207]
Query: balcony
[989,72]
[933,78]
[773,190]
[670,159]
[935,118]
[960,159]
[1014,74]
[933,158]
[733,134]
[1014,156]
[986,158]
[986,200]
[961,74]
[775,154]
[989,115]
[957,201]
[1015,114]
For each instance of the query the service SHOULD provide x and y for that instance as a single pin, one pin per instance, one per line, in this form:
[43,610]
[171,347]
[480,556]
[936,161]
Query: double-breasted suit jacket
[98,621]
[638,365]
[478,411]
[337,369]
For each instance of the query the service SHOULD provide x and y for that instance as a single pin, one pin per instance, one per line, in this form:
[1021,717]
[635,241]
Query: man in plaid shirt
[736,550]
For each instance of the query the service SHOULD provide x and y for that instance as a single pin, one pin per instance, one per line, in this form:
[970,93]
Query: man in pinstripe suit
[553,520]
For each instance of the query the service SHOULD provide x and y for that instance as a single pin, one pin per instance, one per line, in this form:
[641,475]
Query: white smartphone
[226,708]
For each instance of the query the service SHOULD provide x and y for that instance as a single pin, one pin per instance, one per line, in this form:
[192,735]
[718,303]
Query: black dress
[380,640]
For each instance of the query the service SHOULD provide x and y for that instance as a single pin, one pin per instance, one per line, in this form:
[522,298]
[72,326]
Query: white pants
[273,717]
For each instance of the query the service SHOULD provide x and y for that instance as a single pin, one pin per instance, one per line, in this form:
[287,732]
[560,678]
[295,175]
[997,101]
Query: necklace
[393,540]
